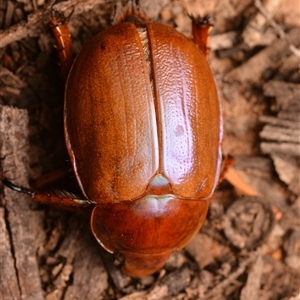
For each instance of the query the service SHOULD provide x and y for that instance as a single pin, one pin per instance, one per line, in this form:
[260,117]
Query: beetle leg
[53,196]
[50,178]
[61,32]
[201,28]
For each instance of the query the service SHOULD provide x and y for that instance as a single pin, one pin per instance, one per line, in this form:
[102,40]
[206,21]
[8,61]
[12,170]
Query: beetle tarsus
[59,16]
[17,188]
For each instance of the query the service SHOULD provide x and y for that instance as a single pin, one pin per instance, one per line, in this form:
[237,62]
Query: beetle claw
[58,18]
[201,20]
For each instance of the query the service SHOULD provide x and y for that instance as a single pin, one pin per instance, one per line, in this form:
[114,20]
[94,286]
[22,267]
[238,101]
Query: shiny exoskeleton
[143,130]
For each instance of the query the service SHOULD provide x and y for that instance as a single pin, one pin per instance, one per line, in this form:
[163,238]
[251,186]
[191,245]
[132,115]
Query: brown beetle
[143,130]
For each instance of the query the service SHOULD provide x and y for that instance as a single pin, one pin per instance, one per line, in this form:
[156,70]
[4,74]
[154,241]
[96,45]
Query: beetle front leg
[61,32]
[201,29]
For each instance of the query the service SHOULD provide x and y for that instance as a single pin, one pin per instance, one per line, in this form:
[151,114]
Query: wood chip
[252,70]
[288,170]
[217,289]
[256,172]
[269,148]
[223,41]
[252,287]
[8,279]
[281,134]
[172,284]
[248,222]
[22,222]
[286,93]
[33,26]
[9,14]
[257,32]
[199,248]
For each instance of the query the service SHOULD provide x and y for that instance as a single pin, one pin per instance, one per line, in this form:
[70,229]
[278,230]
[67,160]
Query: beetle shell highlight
[143,131]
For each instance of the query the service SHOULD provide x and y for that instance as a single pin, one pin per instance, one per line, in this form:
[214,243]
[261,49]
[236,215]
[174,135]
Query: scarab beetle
[143,130]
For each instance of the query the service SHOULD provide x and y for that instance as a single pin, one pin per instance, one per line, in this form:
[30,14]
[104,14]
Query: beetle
[143,129]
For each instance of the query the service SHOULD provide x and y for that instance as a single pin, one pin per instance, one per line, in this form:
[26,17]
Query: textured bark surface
[20,225]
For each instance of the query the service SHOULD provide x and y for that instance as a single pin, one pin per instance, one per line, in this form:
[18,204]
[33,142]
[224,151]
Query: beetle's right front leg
[201,28]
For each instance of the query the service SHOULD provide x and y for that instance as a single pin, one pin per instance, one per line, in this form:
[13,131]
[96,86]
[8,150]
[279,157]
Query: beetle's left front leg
[61,32]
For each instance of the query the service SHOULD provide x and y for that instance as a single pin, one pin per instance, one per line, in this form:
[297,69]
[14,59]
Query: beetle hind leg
[201,29]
